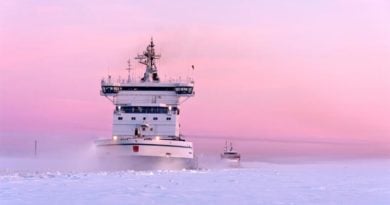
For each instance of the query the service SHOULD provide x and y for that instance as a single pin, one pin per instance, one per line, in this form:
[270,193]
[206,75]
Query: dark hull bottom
[145,163]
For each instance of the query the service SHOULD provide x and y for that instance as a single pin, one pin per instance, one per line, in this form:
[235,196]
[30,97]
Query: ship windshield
[142,109]
[110,89]
[184,90]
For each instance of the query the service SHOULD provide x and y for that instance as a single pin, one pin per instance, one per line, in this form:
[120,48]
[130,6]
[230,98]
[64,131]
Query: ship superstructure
[146,113]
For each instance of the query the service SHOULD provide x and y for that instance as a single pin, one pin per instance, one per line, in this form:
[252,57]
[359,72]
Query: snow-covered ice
[342,182]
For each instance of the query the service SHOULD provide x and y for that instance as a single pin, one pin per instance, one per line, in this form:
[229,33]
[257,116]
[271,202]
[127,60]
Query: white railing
[120,81]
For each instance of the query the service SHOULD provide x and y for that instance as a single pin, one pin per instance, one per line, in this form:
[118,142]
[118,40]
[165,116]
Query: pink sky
[269,69]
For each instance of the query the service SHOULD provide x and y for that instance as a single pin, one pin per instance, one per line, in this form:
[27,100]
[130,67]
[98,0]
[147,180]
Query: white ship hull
[144,154]
[146,147]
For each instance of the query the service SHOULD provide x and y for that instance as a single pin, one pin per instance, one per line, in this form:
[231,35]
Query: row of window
[142,109]
[116,89]
[138,109]
[144,118]
[110,89]
[183,90]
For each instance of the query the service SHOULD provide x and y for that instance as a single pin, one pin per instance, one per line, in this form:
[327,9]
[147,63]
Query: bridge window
[141,109]
[140,88]
[115,89]
[110,89]
[184,90]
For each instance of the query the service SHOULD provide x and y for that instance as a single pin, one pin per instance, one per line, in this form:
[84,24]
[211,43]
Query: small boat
[229,154]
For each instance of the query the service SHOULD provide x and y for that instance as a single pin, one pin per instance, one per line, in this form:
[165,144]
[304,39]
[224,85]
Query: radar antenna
[148,58]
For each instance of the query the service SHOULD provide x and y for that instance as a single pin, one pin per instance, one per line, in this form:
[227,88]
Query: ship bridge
[148,100]
[109,89]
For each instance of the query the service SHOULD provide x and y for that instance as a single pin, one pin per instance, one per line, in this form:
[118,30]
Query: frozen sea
[332,182]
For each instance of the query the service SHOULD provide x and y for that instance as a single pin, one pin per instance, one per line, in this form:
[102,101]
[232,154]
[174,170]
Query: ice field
[336,182]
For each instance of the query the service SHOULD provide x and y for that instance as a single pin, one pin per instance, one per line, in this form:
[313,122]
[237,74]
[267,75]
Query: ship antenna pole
[129,71]
[192,73]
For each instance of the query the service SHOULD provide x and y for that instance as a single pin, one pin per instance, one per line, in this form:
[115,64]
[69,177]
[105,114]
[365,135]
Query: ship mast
[148,58]
[129,71]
